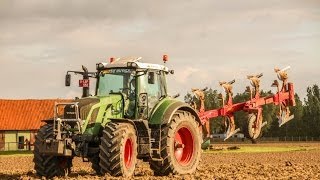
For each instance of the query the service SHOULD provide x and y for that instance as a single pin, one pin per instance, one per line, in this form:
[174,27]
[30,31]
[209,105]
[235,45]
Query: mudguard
[164,111]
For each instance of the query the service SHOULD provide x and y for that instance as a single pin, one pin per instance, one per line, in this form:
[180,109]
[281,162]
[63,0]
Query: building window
[21,142]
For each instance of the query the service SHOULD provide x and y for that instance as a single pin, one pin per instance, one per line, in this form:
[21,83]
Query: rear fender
[164,112]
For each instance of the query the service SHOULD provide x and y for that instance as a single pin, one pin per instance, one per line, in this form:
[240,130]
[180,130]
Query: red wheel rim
[128,151]
[183,146]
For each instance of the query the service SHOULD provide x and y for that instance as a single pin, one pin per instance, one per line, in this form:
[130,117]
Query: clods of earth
[258,161]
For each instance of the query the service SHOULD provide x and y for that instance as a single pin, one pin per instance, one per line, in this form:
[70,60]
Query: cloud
[206,41]
[184,74]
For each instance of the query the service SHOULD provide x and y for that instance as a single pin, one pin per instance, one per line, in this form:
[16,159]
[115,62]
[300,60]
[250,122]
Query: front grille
[69,112]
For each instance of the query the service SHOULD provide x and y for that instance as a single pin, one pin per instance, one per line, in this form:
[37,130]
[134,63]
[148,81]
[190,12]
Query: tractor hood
[96,111]
[85,105]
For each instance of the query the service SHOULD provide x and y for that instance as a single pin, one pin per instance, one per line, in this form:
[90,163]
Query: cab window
[152,84]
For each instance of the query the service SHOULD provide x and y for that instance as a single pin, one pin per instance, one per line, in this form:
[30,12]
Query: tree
[311,112]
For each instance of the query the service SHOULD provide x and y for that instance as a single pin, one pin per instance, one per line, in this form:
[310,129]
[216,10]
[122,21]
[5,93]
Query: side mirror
[151,78]
[68,80]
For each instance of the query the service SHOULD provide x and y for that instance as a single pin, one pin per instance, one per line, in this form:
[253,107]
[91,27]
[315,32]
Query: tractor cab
[142,85]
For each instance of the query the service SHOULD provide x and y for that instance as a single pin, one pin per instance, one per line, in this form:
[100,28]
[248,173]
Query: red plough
[283,98]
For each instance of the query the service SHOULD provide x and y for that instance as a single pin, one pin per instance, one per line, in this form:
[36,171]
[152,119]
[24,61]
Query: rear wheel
[118,149]
[252,129]
[180,146]
[49,166]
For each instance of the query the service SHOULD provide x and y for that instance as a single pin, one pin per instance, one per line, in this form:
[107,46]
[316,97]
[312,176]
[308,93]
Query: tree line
[306,120]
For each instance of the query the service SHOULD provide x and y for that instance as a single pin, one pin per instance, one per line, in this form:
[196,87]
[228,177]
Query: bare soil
[302,164]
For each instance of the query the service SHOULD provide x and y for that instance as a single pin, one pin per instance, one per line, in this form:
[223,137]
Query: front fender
[163,112]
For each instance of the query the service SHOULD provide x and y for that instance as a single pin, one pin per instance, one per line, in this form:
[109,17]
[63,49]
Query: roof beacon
[165,58]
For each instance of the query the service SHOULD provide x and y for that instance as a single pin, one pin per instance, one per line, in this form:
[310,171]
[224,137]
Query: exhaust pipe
[85,90]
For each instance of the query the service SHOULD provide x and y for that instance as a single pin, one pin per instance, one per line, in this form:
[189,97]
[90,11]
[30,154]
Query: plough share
[283,98]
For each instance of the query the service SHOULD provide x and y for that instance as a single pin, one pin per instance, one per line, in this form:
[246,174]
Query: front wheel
[180,146]
[118,149]
[45,165]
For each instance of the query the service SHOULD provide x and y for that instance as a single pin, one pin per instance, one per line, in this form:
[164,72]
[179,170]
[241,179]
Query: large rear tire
[118,149]
[180,146]
[49,166]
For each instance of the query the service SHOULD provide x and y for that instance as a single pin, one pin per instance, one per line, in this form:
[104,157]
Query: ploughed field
[256,161]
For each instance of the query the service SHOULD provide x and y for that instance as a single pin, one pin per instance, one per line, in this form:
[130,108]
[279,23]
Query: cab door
[152,86]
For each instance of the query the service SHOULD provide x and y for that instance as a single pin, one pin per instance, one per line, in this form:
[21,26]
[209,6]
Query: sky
[206,41]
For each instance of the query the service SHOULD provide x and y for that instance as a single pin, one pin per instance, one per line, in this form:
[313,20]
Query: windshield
[114,81]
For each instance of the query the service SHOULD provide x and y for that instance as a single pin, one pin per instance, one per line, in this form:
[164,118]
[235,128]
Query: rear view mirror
[151,78]
[68,80]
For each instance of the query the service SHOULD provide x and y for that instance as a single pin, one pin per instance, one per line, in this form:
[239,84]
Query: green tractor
[130,117]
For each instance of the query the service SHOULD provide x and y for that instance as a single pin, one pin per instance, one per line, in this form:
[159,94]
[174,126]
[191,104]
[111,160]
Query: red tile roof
[25,114]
